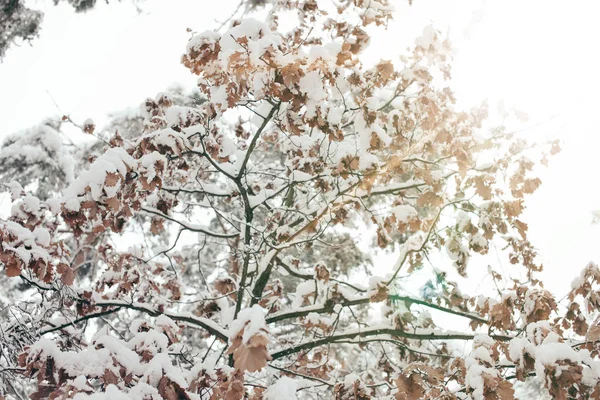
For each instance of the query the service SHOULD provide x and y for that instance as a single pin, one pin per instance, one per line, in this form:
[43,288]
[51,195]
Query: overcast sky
[538,56]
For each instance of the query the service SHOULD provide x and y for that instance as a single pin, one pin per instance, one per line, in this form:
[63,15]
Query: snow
[303,289]
[259,83]
[364,132]
[27,242]
[375,282]
[152,341]
[121,352]
[328,52]
[266,260]
[299,176]
[31,204]
[88,362]
[258,199]
[218,95]
[202,38]
[251,320]
[73,204]
[115,160]
[81,383]
[578,281]
[311,85]
[160,366]
[141,391]
[516,348]
[404,213]
[54,205]
[550,353]
[42,236]
[483,340]
[437,175]
[475,370]
[259,36]
[149,161]
[334,116]
[481,354]
[16,190]
[350,379]
[164,322]
[283,389]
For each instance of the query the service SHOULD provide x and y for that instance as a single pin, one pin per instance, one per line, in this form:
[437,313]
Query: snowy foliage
[37,156]
[17,23]
[209,249]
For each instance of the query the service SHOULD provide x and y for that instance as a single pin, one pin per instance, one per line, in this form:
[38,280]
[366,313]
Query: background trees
[209,247]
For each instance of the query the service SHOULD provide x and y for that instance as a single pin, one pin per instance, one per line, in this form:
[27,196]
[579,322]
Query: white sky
[540,56]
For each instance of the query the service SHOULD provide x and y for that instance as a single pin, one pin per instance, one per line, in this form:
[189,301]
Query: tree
[17,22]
[209,252]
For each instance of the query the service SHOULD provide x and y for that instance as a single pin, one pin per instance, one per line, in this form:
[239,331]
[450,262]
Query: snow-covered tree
[17,23]
[219,248]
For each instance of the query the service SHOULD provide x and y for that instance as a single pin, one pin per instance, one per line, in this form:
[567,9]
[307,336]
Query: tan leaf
[410,387]
[381,294]
[112,179]
[385,69]
[522,228]
[170,390]
[157,226]
[11,263]
[322,273]
[500,316]
[482,187]
[430,199]
[66,272]
[496,388]
[513,208]
[109,378]
[593,334]
[113,203]
[251,356]
[233,388]
[292,73]
[530,185]
[225,285]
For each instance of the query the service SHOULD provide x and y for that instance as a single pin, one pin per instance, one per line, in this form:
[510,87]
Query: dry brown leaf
[112,179]
[482,187]
[385,69]
[66,272]
[430,199]
[114,203]
[251,356]
[381,294]
[11,263]
[409,387]
[593,334]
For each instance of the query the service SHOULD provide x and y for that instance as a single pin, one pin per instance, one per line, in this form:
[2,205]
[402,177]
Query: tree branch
[255,139]
[207,324]
[379,331]
[190,227]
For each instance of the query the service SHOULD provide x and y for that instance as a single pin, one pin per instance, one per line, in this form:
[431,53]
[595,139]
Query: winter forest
[321,211]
